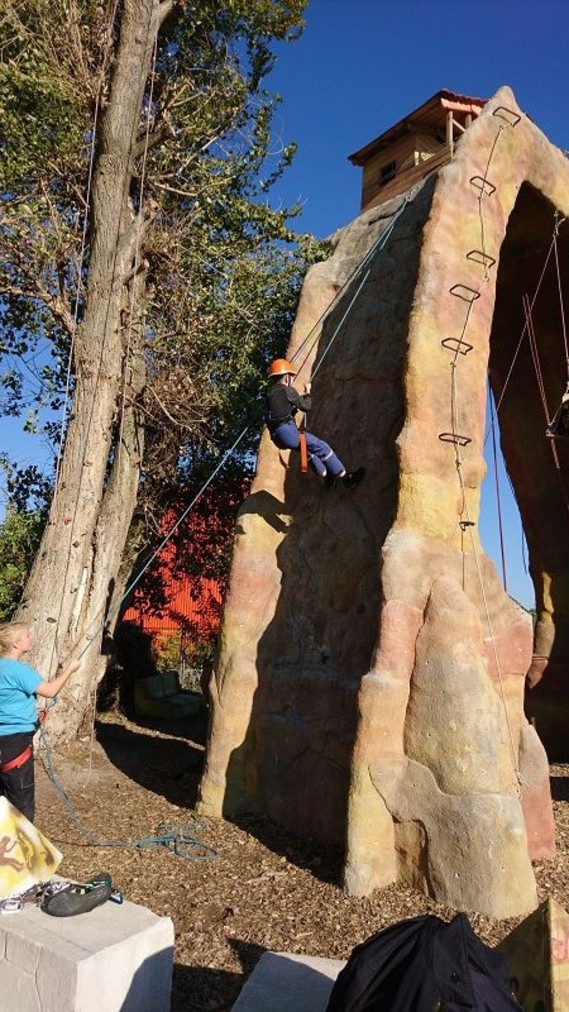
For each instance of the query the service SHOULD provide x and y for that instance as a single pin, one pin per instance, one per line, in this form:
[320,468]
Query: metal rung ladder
[454,437]
[511,118]
[484,185]
[478,256]
[456,344]
[465,293]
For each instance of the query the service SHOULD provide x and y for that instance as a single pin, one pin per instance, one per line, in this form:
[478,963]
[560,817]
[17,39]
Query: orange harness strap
[303,453]
[14,764]
[22,758]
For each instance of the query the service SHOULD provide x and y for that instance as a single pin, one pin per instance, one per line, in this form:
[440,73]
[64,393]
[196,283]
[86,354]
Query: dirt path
[264,891]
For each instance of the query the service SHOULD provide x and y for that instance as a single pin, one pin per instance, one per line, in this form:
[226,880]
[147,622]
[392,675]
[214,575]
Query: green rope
[180,840]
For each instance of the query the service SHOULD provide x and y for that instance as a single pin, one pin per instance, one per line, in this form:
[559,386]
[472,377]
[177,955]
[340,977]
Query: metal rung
[454,437]
[455,344]
[479,257]
[465,293]
[483,185]
[509,117]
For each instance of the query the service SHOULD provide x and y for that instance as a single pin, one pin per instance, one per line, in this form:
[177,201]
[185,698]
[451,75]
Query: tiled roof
[428,113]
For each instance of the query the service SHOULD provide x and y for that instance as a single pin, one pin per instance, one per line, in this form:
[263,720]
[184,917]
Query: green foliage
[177,650]
[19,539]
[222,267]
[37,121]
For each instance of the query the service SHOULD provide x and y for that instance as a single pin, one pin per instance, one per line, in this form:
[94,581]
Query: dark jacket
[424,964]
[283,403]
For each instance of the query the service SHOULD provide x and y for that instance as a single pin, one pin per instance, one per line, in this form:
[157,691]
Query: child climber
[283,403]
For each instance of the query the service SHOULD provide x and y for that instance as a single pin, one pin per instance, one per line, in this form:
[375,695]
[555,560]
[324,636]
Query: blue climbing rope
[179,840]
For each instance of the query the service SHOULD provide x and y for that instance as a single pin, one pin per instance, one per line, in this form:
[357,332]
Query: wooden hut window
[387,173]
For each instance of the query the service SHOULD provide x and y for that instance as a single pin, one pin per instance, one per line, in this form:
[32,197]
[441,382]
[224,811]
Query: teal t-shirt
[18,682]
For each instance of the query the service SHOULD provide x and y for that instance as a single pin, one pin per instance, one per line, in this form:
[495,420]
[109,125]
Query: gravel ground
[265,890]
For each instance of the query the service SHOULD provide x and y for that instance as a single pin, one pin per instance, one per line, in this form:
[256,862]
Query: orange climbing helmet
[281,367]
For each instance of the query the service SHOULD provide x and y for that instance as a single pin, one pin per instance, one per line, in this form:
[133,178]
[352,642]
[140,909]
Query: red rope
[498,498]
[524,329]
[541,387]
[303,453]
[561,306]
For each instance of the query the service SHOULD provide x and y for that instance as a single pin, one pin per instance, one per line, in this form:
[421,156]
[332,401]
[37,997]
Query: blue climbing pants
[321,457]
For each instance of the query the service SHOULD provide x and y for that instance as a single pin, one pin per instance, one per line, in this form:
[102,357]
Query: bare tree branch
[163,10]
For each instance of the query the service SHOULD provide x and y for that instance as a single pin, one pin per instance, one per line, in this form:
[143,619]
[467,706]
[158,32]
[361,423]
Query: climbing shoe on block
[75,899]
[351,479]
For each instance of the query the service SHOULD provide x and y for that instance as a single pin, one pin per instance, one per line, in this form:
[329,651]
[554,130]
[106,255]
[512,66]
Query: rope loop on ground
[180,840]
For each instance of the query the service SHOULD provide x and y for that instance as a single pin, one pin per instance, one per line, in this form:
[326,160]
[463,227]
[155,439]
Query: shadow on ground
[200,987]
[560,785]
[165,757]
[322,859]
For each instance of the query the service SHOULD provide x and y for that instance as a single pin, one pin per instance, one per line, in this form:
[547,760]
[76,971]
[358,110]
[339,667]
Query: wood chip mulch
[265,891]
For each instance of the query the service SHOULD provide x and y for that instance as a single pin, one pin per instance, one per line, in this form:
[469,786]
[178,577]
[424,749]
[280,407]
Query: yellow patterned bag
[539,949]
[26,856]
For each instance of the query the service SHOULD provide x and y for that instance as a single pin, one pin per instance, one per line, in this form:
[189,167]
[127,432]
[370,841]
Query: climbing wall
[369,682]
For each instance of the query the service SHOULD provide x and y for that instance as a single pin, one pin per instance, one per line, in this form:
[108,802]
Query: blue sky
[360,66]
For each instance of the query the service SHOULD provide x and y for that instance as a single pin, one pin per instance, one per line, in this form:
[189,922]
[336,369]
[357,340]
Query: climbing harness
[20,760]
[303,452]
[281,367]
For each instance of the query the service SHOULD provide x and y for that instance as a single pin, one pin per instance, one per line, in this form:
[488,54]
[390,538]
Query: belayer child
[19,684]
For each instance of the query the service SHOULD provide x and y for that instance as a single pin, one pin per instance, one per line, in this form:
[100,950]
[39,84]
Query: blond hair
[8,634]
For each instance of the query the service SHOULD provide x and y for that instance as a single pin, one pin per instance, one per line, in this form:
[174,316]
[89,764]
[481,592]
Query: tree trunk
[72,582]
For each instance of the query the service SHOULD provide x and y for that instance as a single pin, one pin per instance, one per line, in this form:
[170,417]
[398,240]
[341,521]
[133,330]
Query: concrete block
[21,952]
[285,982]
[113,959]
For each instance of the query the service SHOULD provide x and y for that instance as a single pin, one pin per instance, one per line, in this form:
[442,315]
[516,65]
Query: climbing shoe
[75,898]
[351,479]
[329,480]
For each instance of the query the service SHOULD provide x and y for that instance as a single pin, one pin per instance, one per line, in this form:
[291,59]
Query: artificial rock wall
[369,683]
